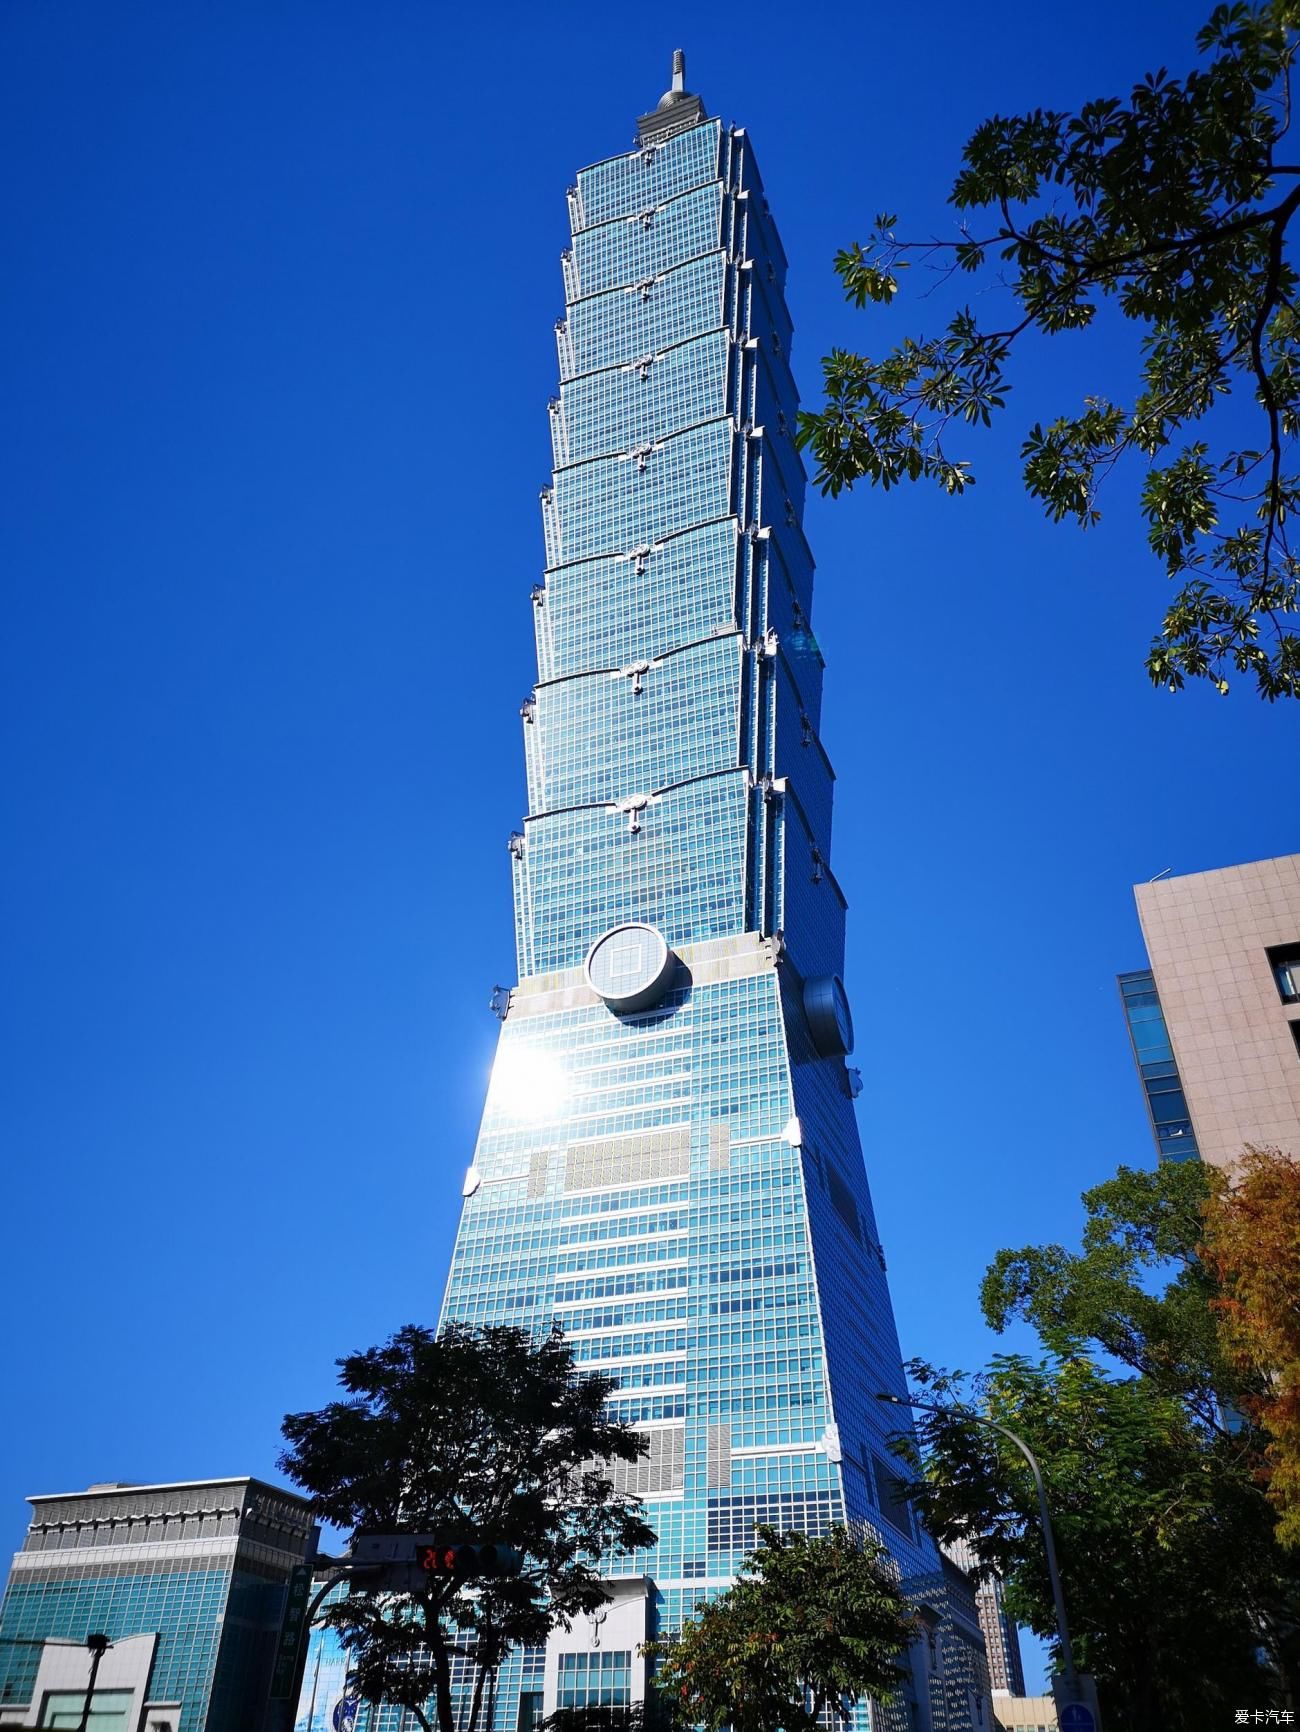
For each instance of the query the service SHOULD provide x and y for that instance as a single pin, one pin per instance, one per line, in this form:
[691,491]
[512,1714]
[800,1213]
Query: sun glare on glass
[528,1083]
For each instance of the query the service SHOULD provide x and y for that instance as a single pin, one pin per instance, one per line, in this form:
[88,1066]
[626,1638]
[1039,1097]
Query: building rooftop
[113,1487]
[676,109]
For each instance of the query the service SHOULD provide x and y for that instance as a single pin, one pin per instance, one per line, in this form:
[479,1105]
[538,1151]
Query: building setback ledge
[705,963]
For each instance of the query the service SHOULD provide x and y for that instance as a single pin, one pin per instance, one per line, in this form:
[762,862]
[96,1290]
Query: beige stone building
[1216,1024]
[1025,1713]
[1001,1637]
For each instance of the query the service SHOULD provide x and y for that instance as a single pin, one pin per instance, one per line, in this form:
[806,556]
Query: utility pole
[1076,1698]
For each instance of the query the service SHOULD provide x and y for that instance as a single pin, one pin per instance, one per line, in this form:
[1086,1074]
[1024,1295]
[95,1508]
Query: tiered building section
[668,1161]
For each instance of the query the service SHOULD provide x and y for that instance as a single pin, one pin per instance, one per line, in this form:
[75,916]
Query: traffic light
[407,1556]
[465,1560]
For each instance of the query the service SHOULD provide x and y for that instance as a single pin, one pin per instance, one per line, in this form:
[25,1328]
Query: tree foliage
[473,1434]
[1181,1600]
[648,1716]
[1140,1224]
[1252,1243]
[1175,207]
[809,1626]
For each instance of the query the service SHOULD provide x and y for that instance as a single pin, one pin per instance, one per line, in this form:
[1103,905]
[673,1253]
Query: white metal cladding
[662,1470]
[628,1160]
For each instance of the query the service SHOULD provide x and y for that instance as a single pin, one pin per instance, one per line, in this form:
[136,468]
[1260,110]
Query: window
[109,1709]
[893,1499]
[596,1680]
[1284,960]
[530,1710]
[1295,1035]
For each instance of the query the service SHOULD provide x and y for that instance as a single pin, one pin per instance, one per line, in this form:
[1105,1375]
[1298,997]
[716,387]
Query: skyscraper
[668,1161]
[1001,1637]
[1215,1019]
[198,1586]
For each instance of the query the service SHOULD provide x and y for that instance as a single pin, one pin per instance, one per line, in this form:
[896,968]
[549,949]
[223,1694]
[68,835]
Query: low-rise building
[198,1587]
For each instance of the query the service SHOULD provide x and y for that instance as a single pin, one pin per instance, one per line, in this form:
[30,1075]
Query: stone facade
[1214,940]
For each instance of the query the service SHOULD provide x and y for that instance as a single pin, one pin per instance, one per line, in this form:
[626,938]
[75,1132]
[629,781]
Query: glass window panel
[108,1709]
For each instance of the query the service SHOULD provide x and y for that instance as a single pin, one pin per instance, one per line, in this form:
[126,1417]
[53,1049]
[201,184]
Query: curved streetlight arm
[1049,1544]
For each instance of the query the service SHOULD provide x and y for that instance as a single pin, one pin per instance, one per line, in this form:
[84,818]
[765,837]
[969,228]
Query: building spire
[677,108]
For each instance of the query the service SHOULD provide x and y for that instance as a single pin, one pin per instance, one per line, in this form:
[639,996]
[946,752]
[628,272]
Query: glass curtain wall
[675,1174]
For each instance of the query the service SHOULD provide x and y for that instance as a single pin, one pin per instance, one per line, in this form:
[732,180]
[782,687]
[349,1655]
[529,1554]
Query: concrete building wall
[1025,1713]
[1209,936]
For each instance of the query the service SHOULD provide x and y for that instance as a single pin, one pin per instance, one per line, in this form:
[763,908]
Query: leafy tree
[1173,1580]
[1252,1243]
[474,1434]
[809,1626]
[1175,207]
[1181,1600]
[1140,1224]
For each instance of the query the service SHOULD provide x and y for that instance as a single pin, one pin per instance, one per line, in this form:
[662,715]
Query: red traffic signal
[467,1560]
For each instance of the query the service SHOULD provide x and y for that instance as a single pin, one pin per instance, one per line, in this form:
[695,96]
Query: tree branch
[1268,302]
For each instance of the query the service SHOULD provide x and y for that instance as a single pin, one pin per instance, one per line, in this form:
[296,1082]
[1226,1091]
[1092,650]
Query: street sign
[1076,1702]
[1075,1717]
[298,1593]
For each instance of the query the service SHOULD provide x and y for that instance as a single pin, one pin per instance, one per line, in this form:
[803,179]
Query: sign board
[1076,1717]
[387,1548]
[296,1601]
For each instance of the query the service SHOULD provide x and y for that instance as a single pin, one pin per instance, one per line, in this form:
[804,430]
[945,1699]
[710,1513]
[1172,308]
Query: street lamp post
[97,1644]
[1074,1692]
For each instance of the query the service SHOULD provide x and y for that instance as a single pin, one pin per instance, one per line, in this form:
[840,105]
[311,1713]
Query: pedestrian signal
[467,1560]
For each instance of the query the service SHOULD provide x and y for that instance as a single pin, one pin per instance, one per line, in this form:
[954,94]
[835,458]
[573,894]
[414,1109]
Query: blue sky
[275,349]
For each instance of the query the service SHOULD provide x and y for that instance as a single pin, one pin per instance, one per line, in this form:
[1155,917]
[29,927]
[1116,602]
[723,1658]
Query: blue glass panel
[633,248]
[623,184]
[610,612]
[1166,1103]
[606,735]
[620,408]
[639,498]
[811,906]
[682,870]
[622,326]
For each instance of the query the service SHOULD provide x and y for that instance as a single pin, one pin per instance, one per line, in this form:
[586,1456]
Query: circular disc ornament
[630,966]
[826,1005]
